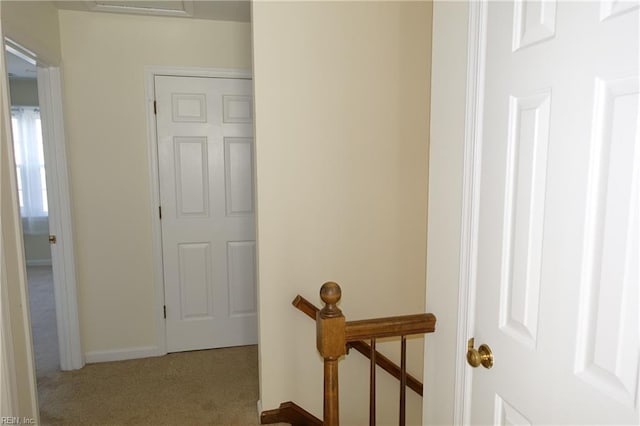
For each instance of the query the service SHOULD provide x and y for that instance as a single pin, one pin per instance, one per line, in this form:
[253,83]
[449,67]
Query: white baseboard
[39,262]
[122,354]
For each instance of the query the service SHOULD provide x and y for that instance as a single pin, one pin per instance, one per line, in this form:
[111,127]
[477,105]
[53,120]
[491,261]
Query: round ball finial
[330,293]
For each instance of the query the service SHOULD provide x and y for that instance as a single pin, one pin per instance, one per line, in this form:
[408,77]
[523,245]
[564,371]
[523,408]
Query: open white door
[558,214]
[205,152]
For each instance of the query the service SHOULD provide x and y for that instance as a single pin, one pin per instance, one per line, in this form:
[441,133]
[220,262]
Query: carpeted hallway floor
[212,387]
[43,319]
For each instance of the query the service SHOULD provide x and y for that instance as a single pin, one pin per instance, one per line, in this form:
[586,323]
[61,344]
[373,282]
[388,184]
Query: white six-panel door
[558,263]
[205,154]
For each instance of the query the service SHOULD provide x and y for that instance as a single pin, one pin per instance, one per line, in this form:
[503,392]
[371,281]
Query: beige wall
[448,82]
[342,107]
[37,250]
[104,58]
[34,25]
[24,91]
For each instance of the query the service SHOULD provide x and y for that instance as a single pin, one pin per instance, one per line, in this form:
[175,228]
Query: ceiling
[219,10]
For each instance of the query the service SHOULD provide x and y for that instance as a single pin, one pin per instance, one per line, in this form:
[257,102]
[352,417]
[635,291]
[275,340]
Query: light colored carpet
[212,387]
[43,319]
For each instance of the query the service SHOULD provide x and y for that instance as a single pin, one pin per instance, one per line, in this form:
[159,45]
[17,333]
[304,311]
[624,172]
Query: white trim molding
[60,220]
[154,8]
[470,205]
[122,354]
[150,72]
[20,51]
[39,262]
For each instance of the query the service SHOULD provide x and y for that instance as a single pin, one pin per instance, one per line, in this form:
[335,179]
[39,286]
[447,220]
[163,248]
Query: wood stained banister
[308,308]
[291,413]
[389,327]
[332,334]
[330,341]
[387,365]
[364,348]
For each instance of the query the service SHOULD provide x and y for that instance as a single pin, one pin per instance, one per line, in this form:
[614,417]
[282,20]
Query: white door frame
[60,222]
[150,72]
[476,44]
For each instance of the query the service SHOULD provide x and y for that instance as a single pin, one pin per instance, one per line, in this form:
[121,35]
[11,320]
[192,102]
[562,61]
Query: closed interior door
[205,154]
[558,227]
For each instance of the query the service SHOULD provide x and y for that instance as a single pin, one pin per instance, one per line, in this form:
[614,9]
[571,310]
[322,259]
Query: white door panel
[558,228]
[205,149]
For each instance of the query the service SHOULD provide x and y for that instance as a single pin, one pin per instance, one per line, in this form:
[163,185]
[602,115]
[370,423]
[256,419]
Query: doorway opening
[43,193]
[26,126]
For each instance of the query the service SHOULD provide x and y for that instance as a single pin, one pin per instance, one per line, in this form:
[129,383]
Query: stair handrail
[310,310]
[332,334]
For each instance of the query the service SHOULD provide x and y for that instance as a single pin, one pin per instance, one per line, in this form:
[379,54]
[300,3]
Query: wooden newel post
[331,342]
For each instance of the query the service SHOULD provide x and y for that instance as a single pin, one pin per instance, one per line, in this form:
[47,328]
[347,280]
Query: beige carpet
[43,319]
[213,387]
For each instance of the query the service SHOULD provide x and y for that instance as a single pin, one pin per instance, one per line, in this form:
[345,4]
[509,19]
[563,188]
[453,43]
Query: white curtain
[32,186]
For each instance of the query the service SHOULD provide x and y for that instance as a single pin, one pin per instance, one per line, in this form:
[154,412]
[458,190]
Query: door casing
[470,206]
[60,221]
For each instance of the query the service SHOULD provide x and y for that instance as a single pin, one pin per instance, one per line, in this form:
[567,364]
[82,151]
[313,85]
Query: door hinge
[160,211]
[155,107]
[164,310]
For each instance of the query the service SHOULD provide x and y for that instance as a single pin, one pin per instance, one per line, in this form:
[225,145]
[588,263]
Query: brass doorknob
[482,355]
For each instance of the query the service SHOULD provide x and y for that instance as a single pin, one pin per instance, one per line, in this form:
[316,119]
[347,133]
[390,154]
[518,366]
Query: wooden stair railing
[363,347]
[333,337]
[291,413]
